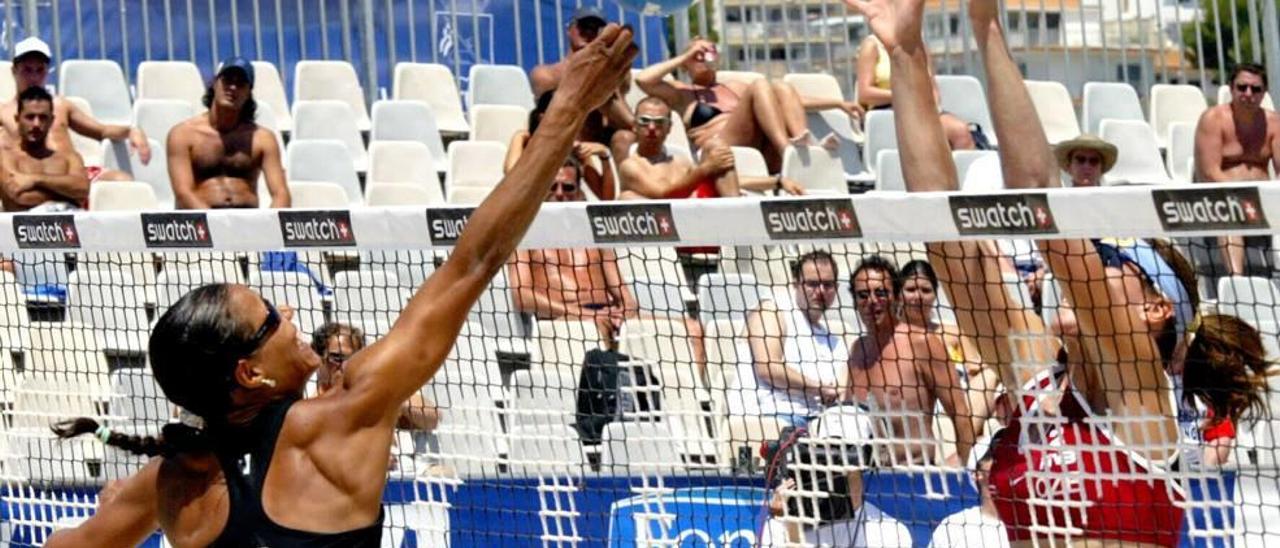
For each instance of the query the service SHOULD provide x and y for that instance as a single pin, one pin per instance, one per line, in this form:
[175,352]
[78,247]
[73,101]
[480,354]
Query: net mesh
[531,435]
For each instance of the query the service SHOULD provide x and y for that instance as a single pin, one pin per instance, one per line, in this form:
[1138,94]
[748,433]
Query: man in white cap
[216,157]
[31,60]
[1086,159]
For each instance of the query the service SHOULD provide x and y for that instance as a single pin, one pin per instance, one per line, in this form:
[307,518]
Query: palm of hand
[892,21]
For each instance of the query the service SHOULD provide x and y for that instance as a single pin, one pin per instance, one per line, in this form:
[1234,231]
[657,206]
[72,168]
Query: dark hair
[912,269]
[1252,68]
[34,93]
[248,112]
[194,349]
[320,338]
[817,255]
[875,262]
[540,109]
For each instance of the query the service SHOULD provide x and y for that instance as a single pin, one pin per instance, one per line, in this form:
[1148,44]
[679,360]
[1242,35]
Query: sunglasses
[564,188]
[866,294]
[1087,160]
[1246,87]
[652,121]
[269,326]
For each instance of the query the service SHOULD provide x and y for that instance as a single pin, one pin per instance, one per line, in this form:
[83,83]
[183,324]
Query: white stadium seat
[397,194]
[474,164]
[889,173]
[171,80]
[727,296]
[498,85]
[155,117]
[646,448]
[7,86]
[817,169]
[268,89]
[1171,104]
[739,76]
[881,135]
[122,196]
[295,289]
[1182,151]
[119,155]
[366,292]
[111,301]
[408,121]
[330,119]
[540,398]
[816,85]
[330,80]
[546,449]
[984,175]
[837,122]
[497,123]
[1055,109]
[1109,101]
[317,195]
[102,84]
[324,160]
[749,162]
[1139,159]
[467,195]
[964,97]
[90,150]
[404,162]
[965,159]
[435,85]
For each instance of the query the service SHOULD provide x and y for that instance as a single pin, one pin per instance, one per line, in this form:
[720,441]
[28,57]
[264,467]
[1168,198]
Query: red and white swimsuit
[1070,476]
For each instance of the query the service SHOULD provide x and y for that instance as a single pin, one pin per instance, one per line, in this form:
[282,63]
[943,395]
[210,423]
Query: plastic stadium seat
[881,135]
[137,397]
[367,292]
[749,162]
[1253,299]
[541,398]
[816,168]
[1109,101]
[889,175]
[1139,160]
[408,121]
[119,155]
[965,158]
[156,117]
[649,448]
[323,160]
[295,289]
[268,89]
[1170,104]
[171,80]
[497,123]
[7,86]
[727,296]
[433,84]
[112,302]
[677,136]
[816,84]
[90,150]
[984,175]
[498,85]
[122,196]
[329,119]
[740,76]
[394,194]
[333,80]
[467,195]
[1224,97]
[546,449]
[1182,151]
[317,194]
[837,122]
[474,164]
[964,97]
[101,83]
[404,162]
[1056,111]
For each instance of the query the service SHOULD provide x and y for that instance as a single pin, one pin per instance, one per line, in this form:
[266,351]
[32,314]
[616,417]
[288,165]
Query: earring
[269,383]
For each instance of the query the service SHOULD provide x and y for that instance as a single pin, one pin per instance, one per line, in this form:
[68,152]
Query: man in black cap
[613,123]
[216,158]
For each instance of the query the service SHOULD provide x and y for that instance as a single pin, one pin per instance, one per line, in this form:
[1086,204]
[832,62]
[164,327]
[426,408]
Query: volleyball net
[613,385]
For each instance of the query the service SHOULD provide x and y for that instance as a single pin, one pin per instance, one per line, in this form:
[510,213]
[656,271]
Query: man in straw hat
[1086,158]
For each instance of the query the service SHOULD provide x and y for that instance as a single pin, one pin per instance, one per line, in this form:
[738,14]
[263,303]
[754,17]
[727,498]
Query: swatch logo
[1190,209]
[176,230]
[632,223]
[445,225]
[316,228]
[45,231]
[802,219]
[1002,214]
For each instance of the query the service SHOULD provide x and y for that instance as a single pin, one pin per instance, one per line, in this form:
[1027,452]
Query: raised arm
[80,122]
[379,378]
[944,382]
[125,517]
[652,81]
[273,169]
[181,178]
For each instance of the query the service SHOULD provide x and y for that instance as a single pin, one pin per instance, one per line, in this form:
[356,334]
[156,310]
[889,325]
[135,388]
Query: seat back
[171,80]
[330,80]
[1055,109]
[101,83]
[435,85]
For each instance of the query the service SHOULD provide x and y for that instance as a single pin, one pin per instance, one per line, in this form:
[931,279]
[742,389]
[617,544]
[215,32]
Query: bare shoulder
[189,127]
[1217,114]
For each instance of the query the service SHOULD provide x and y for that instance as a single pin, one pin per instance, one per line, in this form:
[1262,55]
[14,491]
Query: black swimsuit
[247,523]
[703,113]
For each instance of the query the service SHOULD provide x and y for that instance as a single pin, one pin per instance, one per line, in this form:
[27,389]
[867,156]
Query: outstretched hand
[983,12]
[894,22]
[595,72]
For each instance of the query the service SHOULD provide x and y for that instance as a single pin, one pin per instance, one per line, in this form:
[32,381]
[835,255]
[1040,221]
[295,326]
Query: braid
[175,438]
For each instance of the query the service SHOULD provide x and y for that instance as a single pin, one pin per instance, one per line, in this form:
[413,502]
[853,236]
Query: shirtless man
[576,284]
[654,174]
[903,368]
[37,177]
[216,158]
[31,60]
[1235,142]
[612,123]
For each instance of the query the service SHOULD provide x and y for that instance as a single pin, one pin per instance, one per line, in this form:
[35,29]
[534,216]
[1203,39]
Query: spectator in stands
[901,367]
[1237,142]
[797,365]
[592,156]
[31,60]
[217,157]
[874,91]
[611,124]
[656,172]
[35,176]
[335,343]
[1086,159]
[763,114]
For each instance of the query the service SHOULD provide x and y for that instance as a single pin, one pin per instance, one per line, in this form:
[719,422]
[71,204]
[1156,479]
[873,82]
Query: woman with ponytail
[260,466]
